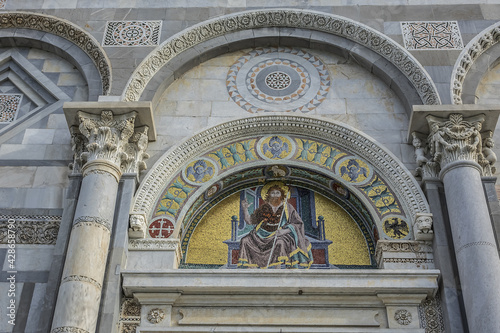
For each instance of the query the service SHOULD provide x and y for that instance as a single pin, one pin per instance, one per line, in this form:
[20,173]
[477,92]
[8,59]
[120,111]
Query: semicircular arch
[215,36]
[481,54]
[62,37]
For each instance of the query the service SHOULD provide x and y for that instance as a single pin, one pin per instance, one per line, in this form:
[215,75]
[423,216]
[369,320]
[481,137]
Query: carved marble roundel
[278,79]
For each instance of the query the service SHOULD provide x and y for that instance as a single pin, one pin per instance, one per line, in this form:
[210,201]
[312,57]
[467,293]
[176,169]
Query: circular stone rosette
[278,79]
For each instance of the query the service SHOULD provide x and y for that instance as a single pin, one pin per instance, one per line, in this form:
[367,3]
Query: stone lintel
[144,113]
[418,122]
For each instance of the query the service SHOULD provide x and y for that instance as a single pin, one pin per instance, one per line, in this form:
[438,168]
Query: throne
[314,227]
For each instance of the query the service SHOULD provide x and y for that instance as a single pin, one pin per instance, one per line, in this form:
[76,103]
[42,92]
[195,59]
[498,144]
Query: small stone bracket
[138,226]
[422,227]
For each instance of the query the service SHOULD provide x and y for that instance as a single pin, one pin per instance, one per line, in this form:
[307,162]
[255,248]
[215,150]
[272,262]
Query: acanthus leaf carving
[107,135]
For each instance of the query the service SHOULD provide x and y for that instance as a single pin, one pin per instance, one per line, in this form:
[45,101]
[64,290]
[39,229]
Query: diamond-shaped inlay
[132,33]
[9,105]
[435,35]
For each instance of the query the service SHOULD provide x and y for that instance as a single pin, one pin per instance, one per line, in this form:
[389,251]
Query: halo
[265,188]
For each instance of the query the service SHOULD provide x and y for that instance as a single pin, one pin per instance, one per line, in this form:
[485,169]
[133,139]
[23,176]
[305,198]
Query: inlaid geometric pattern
[132,33]
[278,79]
[9,105]
[438,35]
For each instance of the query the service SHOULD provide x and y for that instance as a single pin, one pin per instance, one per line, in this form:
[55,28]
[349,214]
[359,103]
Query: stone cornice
[292,18]
[64,29]
[235,282]
[406,188]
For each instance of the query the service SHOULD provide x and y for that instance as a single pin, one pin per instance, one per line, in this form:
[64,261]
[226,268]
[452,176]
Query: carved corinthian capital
[107,135]
[455,139]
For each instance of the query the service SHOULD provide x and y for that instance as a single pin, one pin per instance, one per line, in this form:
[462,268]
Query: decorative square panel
[132,33]
[9,105]
[435,35]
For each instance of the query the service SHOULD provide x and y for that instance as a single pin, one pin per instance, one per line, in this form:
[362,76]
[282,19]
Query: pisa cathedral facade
[243,166]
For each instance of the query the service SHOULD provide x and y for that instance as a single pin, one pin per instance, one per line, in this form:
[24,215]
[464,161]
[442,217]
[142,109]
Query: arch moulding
[170,50]
[61,28]
[463,82]
[404,185]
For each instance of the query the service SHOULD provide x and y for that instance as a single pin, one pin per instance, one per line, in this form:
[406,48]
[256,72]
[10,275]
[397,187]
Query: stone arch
[370,48]
[63,38]
[168,169]
[481,54]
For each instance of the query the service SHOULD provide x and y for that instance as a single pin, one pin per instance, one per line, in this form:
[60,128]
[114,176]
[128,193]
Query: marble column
[109,148]
[456,145]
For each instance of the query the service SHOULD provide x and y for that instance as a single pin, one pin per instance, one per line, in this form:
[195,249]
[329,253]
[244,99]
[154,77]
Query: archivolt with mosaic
[280,156]
[303,147]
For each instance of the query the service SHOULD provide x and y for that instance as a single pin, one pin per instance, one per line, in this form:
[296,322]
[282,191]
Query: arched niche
[308,29]
[235,156]
[49,33]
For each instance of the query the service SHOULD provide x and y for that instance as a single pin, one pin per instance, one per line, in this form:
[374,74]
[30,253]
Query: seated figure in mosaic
[278,239]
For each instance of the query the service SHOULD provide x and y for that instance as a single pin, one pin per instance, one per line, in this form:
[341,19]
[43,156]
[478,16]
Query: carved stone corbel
[138,226]
[422,227]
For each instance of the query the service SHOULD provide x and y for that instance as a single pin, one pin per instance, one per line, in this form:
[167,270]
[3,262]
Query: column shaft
[79,296]
[476,251]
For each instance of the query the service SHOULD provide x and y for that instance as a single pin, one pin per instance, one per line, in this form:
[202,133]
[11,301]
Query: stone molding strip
[92,220]
[477,46]
[409,260]
[66,30]
[81,278]
[68,329]
[304,19]
[31,229]
[148,244]
[387,165]
[463,247]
